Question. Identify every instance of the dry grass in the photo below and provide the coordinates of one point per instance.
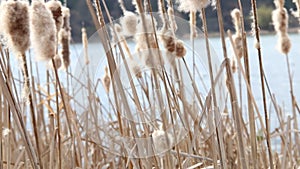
(188, 125)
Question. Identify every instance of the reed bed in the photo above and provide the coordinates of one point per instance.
(151, 107)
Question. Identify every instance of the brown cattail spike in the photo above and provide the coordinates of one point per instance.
(168, 40)
(64, 38)
(15, 25)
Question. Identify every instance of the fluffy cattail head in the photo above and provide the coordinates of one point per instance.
(15, 24)
(280, 20)
(168, 40)
(284, 44)
(238, 44)
(106, 80)
(55, 8)
(192, 5)
(237, 37)
(129, 23)
(180, 50)
(43, 31)
(236, 17)
(162, 141)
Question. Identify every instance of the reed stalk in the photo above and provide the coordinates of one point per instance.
(113, 68)
(214, 98)
(250, 106)
(31, 106)
(261, 69)
(293, 100)
(232, 91)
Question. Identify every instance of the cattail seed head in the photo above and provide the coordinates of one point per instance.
(106, 80)
(284, 44)
(64, 39)
(237, 37)
(168, 40)
(280, 20)
(162, 141)
(55, 8)
(238, 43)
(180, 50)
(43, 31)
(192, 5)
(15, 24)
(236, 17)
(129, 23)
(64, 36)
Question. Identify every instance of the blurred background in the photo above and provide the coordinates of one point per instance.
(80, 15)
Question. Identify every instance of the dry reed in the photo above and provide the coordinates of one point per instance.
(100, 136)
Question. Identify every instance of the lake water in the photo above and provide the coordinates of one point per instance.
(273, 61)
(274, 65)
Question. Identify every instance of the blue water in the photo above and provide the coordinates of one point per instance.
(273, 61)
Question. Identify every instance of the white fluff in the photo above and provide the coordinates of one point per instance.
(192, 5)
(129, 23)
(15, 25)
(43, 31)
(56, 9)
(160, 141)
